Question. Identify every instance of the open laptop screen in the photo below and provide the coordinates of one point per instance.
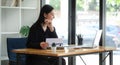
(95, 42)
(97, 38)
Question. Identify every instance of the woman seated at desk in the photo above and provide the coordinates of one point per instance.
(39, 31)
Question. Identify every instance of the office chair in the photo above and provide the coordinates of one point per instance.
(15, 43)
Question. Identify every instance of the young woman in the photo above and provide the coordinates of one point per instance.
(39, 31)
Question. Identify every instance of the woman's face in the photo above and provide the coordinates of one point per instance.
(49, 15)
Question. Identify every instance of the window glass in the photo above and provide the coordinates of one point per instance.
(87, 19)
(113, 23)
(87, 23)
(61, 17)
(113, 27)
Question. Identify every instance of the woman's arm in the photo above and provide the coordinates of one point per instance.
(34, 38)
(53, 34)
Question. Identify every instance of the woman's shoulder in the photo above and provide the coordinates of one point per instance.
(35, 27)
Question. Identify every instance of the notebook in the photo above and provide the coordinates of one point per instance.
(95, 42)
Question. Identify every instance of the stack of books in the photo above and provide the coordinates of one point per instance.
(12, 3)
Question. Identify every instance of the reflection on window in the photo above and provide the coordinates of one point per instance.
(113, 23)
(87, 23)
(87, 19)
(113, 27)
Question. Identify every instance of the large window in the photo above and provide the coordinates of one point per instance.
(113, 27)
(61, 17)
(87, 19)
(113, 23)
(87, 24)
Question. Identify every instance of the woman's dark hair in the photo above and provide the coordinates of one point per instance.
(45, 9)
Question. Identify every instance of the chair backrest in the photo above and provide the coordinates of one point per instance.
(15, 43)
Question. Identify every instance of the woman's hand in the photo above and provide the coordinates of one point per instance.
(48, 22)
(44, 45)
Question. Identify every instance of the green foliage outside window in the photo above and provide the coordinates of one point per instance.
(55, 4)
(113, 5)
(93, 5)
(80, 5)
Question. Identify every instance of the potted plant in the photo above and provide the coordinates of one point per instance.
(24, 31)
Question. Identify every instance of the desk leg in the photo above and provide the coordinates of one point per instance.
(111, 57)
(60, 61)
(72, 60)
(17, 59)
(101, 57)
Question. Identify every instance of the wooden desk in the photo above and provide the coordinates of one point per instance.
(64, 53)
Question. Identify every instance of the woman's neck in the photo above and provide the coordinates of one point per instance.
(44, 26)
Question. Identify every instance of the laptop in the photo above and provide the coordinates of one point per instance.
(59, 42)
(95, 42)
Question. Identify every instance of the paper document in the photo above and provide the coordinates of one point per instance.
(57, 41)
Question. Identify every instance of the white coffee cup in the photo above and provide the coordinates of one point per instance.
(53, 49)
